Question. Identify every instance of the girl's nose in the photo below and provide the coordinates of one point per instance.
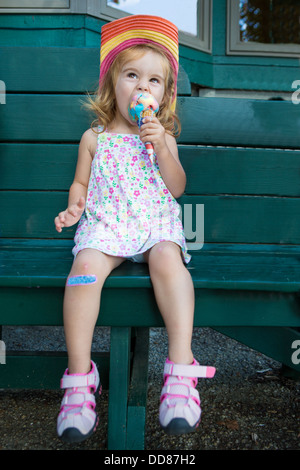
(143, 86)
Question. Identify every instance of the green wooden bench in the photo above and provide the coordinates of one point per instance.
(242, 159)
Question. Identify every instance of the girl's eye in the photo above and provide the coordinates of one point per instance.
(132, 75)
(154, 80)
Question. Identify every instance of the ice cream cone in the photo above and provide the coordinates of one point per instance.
(149, 147)
(143, 105)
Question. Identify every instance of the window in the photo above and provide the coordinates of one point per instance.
(182, 13)
(263, 27)
(192, 17)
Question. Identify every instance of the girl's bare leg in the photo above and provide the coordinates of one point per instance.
(81, 306)
(174, 292)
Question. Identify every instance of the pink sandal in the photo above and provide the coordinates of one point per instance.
(180, 410)
(77, 418)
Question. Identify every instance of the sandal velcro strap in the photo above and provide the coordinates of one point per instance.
(177, 391)
(191, 403)
(78, 399)
(71, 381)
(183, 370)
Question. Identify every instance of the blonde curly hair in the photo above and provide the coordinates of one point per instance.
(103, 102)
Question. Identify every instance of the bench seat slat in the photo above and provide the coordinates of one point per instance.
(251, 267)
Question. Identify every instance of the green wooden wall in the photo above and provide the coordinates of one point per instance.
(216, 70)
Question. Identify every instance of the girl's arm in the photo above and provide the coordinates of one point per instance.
(83, 169)
(166, 150)
(170, 167)
(78, 189)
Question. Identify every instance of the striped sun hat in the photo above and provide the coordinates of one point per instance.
(123, 33)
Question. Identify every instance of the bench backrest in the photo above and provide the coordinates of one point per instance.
(241, 156)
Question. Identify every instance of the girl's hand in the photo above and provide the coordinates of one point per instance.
(70, 216)
(152, 131)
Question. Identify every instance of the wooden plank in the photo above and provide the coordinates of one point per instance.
(44, 30)
(136, 413)
(37, 220)
(272, 341)
(224, 121)
(251, 267)
(255, 76)
(56, 69)
(63, 118)
(228, 170)
(118, 393)
(209, 170)
(36, 369)
(227, 219)
(52, 166)
(217, 304)
(239, 122)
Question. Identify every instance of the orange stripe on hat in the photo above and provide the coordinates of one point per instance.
(155, 36)
(123, 33)
(153, 23)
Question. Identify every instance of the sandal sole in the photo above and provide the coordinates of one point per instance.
(73, 436)
(179, 426)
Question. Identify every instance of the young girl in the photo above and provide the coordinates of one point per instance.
(126, 208)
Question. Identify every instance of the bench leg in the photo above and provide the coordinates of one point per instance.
(118, 387)
(137, 403)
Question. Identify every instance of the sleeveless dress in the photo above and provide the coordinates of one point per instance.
(128, 206)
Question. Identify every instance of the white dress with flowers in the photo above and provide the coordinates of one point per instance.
(128, 208)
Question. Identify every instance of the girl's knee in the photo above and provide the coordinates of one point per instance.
(86, 270)
(165, 257)
(83, 264)
(92, 266)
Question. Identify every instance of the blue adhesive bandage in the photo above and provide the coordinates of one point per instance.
(81, 280)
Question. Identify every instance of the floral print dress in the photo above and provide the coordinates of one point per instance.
(128, 208)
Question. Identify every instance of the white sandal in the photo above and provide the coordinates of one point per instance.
(180, 410)
(77, 418)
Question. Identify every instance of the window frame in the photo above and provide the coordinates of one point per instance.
(38, 6)
(234, 46)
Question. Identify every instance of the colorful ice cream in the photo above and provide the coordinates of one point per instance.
(142, 105)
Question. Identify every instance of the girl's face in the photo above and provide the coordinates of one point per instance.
(145, 74)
